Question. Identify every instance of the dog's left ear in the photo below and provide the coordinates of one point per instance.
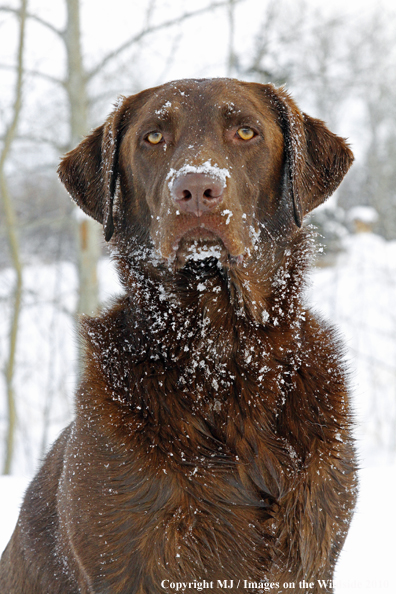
(316, 159)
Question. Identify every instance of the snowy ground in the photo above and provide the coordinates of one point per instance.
(366, 562)
(358, 294)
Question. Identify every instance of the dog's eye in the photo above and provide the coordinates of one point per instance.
(154, 137)
(245, 133)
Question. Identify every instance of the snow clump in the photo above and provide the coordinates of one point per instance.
(207, 168)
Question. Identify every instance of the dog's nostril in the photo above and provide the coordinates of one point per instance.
(186, 195)
(209, 193)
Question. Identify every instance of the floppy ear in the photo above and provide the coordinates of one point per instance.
(317, 159)
(89, 172)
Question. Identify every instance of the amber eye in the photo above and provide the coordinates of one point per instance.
(245, 133)
(154, 137)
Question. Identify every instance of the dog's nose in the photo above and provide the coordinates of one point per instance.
(197, 193)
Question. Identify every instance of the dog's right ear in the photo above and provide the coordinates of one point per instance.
(89, 172)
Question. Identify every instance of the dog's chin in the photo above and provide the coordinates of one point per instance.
(199, 248)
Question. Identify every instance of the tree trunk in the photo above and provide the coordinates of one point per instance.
(88, 231)
(232, 59)
(13, 243)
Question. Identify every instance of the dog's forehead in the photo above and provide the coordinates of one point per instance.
(203, 97)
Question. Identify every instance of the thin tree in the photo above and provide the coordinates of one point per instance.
(12, 237)
(232, 58)
(77, 94)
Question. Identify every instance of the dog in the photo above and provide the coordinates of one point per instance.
(211, 447)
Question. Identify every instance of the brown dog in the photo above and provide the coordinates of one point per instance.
(211, 445)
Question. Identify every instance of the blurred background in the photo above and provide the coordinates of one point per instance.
(63, 63)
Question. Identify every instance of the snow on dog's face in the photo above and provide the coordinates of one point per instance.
(195, 167)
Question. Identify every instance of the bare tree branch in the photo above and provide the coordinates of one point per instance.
(151, 29)
(48, 77)
(149, 12)
(36, 139)
(13, 243)
(34, 17)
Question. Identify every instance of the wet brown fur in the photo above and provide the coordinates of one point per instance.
(212, 432)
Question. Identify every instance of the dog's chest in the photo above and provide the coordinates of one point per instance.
(187, 475)
(200, 531)
(184, 521)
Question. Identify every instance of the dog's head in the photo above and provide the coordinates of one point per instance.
(196, 167)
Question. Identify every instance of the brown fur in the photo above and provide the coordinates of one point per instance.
(212, 433)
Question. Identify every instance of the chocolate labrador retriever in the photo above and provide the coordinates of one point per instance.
(212, 445)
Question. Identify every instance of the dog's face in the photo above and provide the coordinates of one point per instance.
(198, 166)
(199, 158)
